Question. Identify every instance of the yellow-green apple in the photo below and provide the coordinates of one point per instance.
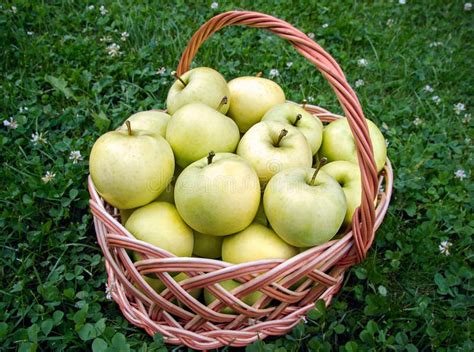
(272, 146)
(261, 218)
(293, 114)
(196, 129)
(202, 84)
(338, 143)
(218, 195)
(347, 174)
(229, 285)
(254, 243)
(304, 207)
(153, 122)
(251, 98)
(207, 246)
(130, 168)
(159, 224)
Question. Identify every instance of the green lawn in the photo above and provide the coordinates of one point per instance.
(63, 82)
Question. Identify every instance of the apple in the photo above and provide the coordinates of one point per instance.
(153, 122)
(310, 126)
(305, 207)
(130, 168)
(254, 243)
(202, 84)
(230, 285)
(261, 218)
(338, 143)
(160, 224)
(272, 146)
(251, 97)
(347, 174)
(207, 246)
(218, 195)
(196, 129)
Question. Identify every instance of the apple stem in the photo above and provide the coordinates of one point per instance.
(320, 165)
(283, 133)
(179, 78)
(223, 102)
(298, 117)
(259, 74)
(303, 103)
(129, 127)
(210, 156)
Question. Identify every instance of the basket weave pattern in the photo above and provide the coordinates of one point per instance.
(289, 287)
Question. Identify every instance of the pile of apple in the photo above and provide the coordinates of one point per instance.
(228, 173)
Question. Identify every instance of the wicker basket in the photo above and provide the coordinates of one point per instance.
(289, 287)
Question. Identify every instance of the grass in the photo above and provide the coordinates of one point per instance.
(60, 81)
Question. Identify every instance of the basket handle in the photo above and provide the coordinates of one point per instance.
(364, 217)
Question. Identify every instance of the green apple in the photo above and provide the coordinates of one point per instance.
(207, 246)
(272, 146)
(347, 174)
(159, 224)
(125, 214)
(310, 126)
(304, 207)
(153, 122)
(218, 195)
(254, 243)
(196, 129)
(251, 98)
(130, 168)
(202, 84)
(338, 143)
(167, 195)
(230, 285)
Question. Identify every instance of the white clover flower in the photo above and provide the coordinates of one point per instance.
(38, 138)
(113, 50)
(11, 124)
(274, 73)
(435, 44)
(106, 39)
(90, 7)
(75, 156)
(362, 62)
(48, 177)
(14, 9)
(436, 99)
(444, 247)
(103, 10)
(325, 25)
(458, 108)
(359, 83)
(417, 121)
(310, 99)
(311, 35)
(460, 174)
(124, 36)
(214, 5)
(108, 292)
(466, 118)
(30, 33)
(402, 2)
(289, 64)
(161, 71)
(22, 109)
(467, 140)
(428, 88)
(467, 6)
(390, 22)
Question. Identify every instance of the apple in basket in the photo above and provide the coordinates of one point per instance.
(304, 206)
(200, 85)
(218, 195)
(195, 129)
(207, 246)
(250, 98)
(130, 168)
(272, 146)
(338, 143)
(310, 126)
(154, 122)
